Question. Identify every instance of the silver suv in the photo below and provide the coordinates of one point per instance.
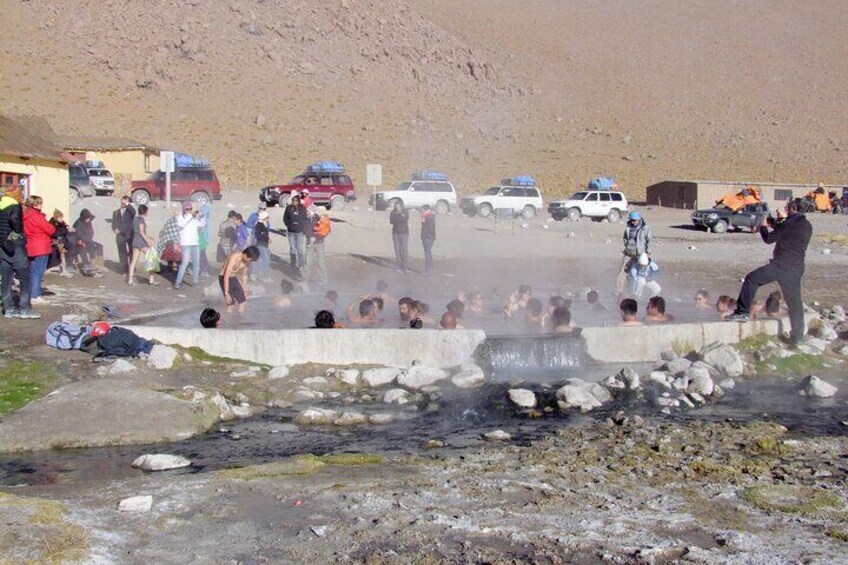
(439, 194)
(102, 181)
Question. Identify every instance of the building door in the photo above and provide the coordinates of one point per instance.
(8, 180)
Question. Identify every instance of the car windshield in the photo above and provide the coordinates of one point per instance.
(578, 196)
(99, 173)
(492, 191)
(403, 186)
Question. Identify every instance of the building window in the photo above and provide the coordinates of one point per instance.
(782, 194)
(147, 163)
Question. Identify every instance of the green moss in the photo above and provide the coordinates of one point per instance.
(714, 470)
(300, 466)
(795, 499)
(22, 382)
(351, 459)
(838, 533)
(198, 354)
(58, 539)
(768, 446)
(793, 365)
(754, 343)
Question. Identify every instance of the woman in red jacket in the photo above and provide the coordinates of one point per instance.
(39, 244)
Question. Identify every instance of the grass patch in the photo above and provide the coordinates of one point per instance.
(713, 470)
(805, 501)
(351, 459)
(768, 446)
(800, 363)
(54, 539)
(837, 533)
(754, 342)
(22, 382)
(198, 354)
(682, 347)
(300, 466)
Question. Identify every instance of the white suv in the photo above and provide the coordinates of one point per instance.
(592, 203)
(524, 200)
(439, 194)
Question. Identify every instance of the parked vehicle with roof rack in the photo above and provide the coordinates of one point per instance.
(426, 187)
(327, 182)
(101, 178)
(599, 200)
(79, 182)
(519, 194)
(193, 179)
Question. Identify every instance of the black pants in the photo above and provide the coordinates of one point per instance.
(124, 244)
(11, 266)
(789, 279)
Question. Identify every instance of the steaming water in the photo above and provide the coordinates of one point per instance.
(458, 419)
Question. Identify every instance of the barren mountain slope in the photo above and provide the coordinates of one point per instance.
(565, 90)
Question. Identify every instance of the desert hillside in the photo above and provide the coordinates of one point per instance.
(482, 89)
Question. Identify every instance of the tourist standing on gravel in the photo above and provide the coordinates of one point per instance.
(140, 244)
(295, 218)
(791, 238)
(638, 239)
(399, 219)
(13, 256)
(190, 223)
(317, 256)
(39, 245)
(122, 225)
(428, 236)
(226, 237)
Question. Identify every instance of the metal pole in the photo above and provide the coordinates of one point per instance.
(168, 189)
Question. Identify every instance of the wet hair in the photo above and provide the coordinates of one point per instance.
(382, 286)
(405, 300)
(629, 306)
(378, 302)
(773, 302)
(561, 316)
(557, 301)
(331, 296)
(456, 307)
(324, 319)
(209, 318)
(534, 307)
(416, 323)
(252, 253)
(142, 210)
(286, 286)
(725, 302)
(702, 294)
(525, 289)
(448, 321)
(592, 296)
(366, 307)
(657, 302)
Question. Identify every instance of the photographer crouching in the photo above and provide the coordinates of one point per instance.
(791, 236)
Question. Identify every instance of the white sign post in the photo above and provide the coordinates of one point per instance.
(166, 165)
(374, 178)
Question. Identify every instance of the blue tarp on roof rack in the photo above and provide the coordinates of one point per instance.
(520, 180)
(325, 167)
(184, 160)
(429, 175)
(603, 183)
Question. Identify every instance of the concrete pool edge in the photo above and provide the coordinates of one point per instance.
(398, 347)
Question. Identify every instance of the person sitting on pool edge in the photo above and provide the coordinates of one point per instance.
(210, 318)
(237, 267)
(629, 309)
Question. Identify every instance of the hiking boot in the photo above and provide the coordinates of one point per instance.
(29, 315)
(737, 317)
(11, 314)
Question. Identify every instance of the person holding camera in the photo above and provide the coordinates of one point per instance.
(791, 238)
(190, 223)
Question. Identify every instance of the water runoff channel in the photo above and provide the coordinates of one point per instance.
(456, 417)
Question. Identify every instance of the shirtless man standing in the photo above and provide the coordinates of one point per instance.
(235, 267)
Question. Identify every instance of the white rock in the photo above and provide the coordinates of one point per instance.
(522, 397)
(316, 416)
(826, 251)
(304, 394)
(630, 378)
(160, 462)
(418, 376)
(814, 387)
(118, 367)
(683, 399)
(241, 411)
(677, 365)
(818, 344)
(225, 411)
(187, 357)
(661, 378)
(347, 376)
(843, 350)
(380, 376)
(579, 394)
(381, 418)
(242, 374)
(350, 419)
(697, 398)
(724, 358)
(316, 382)
(162, 357)
(396, 396)
(319, 531)
(727, 384)
(136, 504)
(614, 382)
(469, 376)
(668, 402)
(279, 372)
(700, 382)
(497, 435)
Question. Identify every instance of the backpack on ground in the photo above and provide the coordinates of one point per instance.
(65, 336)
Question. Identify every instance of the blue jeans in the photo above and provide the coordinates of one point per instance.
(428, 254)
(297, 249)
(264, 263)
(37, 266)
(191, 254)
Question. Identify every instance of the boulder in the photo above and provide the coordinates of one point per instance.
(497, 435)
(241, 411)
(347, 376)
(827, 332)
(661, 378)
(278, 372)
(136, 504)
(380, 376)
(583, 395)
(396, 396)
(668, 402)
(469, 376)
(727, 384)
(381, 418)
(630, 378)
(819, 345)
(225, 411)
(118, 367)
(350, 419)
(304, 394)
(522, 397)
(724, 358)
(160, 462)
(614, 382)
(419, 376)
(316, 382)
(843, 350)
(678, 365)
(316, 417)
(700, 382)
(814, 387)
(161, 357)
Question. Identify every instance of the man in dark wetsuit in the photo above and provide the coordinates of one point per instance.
(791, 236)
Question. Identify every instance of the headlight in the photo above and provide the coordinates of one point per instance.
(712, 216)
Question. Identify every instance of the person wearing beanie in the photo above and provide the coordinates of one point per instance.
(13, 256)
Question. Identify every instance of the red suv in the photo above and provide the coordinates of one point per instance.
(326, 181)
(198, 184)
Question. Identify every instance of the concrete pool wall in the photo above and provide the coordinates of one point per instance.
(394, 347)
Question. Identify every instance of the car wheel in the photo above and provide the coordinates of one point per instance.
(485, 210)
(573, 214)
(200, 198)
(140, 197)
(337, 203)
(528, 212)
(720, 227)
(614, 215)
(442, 207)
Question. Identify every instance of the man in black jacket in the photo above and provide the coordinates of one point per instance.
(791, 236)
(399, 219)
(122, 225)
(13, 256)
(296, 220)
